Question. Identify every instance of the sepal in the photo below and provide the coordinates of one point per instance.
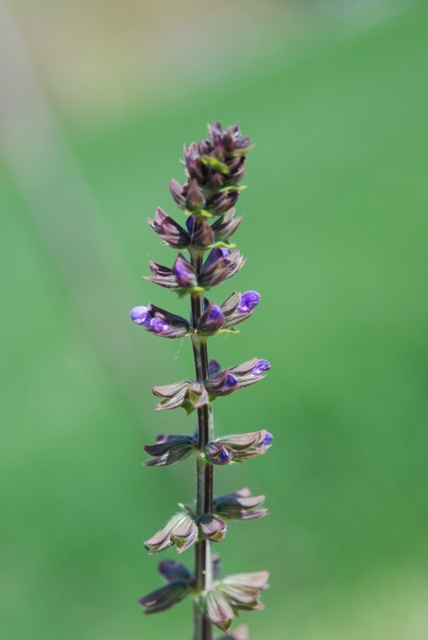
(168, 450)
(171, 571)
(187, 394)
(225, 227)
(221, 264)
(211, 320)
(181, 531)
(240, 505)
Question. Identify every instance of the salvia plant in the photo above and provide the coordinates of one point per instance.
(214, 167)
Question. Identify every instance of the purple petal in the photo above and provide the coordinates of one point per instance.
(266, 440)
(140, 315)
(224, 456)
(260, 366)
(215, 313)
(249, 300)
(184, 275)
(158, 325)
(231, 381)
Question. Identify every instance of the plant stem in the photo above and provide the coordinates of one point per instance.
(202, 628)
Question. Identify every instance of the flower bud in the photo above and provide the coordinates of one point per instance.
(249, 300)
(177, 193)
(170, 231)
(222, 384)
(212, 527)
(220, 265)
(211, 320)
(221, 202)
(226, 226)
(195, 199)
(200, 231)
(184, 273)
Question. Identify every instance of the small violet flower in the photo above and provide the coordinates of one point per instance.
(249, 300)
(260, 366)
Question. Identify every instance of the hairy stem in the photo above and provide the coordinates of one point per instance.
(202, 628)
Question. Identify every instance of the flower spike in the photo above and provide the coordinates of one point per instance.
(206, 257)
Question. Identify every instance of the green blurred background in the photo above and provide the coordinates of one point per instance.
(96, 102)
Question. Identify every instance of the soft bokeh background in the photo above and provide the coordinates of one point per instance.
(97, 98)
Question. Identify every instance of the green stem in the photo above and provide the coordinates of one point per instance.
(202, 628)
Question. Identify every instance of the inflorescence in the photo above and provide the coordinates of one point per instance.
(214, 167)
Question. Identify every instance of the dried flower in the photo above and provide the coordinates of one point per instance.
(240, 505)
(236, 592)
(168, 450)
(184, 529)
(187, 394)
(165, 598)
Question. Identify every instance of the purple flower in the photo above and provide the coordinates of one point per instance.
(260, 366)
(249, 300)
(140, 315)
